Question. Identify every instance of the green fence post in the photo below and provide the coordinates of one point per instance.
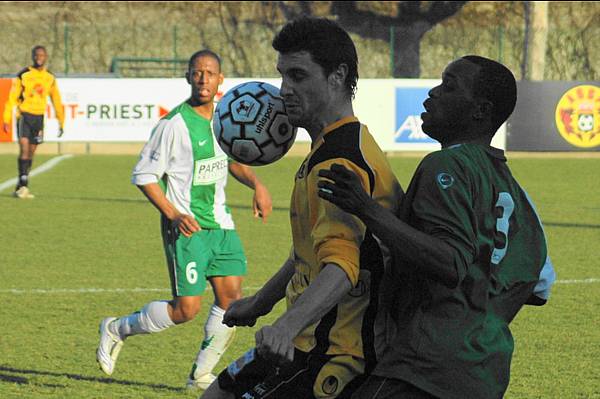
(500, 43)
(174, 50)
(66, 36)
(392, 46)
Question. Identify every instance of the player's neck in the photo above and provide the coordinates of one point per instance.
(481, 139)
(334, 114)
(205, 110)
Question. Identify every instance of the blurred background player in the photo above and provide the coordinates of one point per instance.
(29, 94)
(469, 247)
(325, 341)
(183, 172)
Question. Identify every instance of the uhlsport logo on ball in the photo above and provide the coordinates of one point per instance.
(251, 125)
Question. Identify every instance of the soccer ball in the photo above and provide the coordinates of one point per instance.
(251, 125)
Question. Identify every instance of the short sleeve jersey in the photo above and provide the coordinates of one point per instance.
(183, 156)
(322, 233)
(30, 91)
(457, 342)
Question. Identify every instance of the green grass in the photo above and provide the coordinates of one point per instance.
(90, 228)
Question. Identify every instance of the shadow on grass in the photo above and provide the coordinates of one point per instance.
(134, 200)
(572, 225)
(77, 377)
(24, 381)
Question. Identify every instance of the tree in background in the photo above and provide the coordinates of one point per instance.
(402, 24)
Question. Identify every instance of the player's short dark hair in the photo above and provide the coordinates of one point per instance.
(496, 83)
(203, 53)
(328, 44)
(38, 47)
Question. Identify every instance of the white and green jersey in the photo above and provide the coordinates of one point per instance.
(183, 156)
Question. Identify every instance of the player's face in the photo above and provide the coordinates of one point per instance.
(205, 77)
(39, 57)
(304, 88)
(450, 106)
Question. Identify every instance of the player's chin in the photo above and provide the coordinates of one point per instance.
(295, 117)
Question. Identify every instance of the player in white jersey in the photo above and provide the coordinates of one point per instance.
(183, 172)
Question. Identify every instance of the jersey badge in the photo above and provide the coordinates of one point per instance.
(330, 385)
(445, 180)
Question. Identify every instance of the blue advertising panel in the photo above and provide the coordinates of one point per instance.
(409, 105)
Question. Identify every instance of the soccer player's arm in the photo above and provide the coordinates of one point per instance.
(541, 291)
(13, 98)
(262, 204)
(57, 103)
(150, 169)
(245, 311)
(274, 290)
(337, 238)
(442, 248)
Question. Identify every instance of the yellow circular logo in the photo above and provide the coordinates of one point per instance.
(578, 116)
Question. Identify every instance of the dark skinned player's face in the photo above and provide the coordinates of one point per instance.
(39, 58)
(450, 106)
(205, 77)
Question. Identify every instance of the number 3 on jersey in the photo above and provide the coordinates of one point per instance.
(506, 203)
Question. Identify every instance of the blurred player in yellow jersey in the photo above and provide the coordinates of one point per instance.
(29, 94)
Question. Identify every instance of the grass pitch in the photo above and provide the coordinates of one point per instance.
(88, 246)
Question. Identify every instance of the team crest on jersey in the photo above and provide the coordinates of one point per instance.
(578, 116)
(445, 180)
(330, 385)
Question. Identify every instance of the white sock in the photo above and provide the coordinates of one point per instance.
(153, 318)
(217, 338)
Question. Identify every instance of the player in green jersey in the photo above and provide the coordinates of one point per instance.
(468, 245)
(183, 172)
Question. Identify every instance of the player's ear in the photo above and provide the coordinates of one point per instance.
(484, 109)
(338, 76)
(187, 77)
(221, 78)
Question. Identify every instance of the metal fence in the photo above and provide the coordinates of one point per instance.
(246, 49)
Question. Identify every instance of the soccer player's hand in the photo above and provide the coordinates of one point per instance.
(186, 224)
(344, 189)
(6, 127)
(262, 204)
(244, 312)
(275, 344)
(61, 131)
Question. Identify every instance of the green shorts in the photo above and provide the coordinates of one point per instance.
(207, 253)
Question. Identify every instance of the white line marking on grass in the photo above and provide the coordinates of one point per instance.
(134, 290)
(586, 281)
(46, 166)
(92, 290)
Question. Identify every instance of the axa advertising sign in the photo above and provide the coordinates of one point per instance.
(409, 106)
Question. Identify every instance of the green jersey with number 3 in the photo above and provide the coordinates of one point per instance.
(184, 157)
(457, 342)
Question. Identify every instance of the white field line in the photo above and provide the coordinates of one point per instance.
(134, 290)
(92, 290)
(46, 166)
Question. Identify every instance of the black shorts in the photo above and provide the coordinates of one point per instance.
(389, 388)
(32, 127)
(307, 377)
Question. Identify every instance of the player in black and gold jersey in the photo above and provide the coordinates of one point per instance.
(29, 94)
(326, 340)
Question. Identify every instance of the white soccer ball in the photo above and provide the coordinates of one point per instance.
(251, 125)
